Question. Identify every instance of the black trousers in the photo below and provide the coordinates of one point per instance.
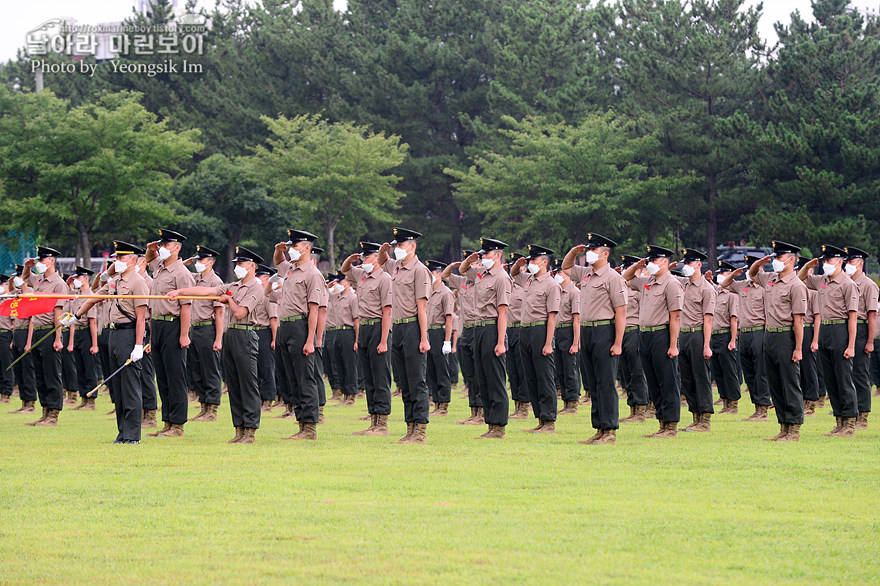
(344, 360)
(266, 365)
(104, 353)
(85, 361)
(282, 380)
(24, 368)
(148, 384)
(69, 380)
(169, 360)
(751, 353)
(596, 342)
(329, 366)
(515, 374)
(376, 368)
(539, 372)
(47, 371)
(631, 367)
(695, 382)
(861, 372)
(662, 375)
(439, 383)
(837, 370)
(452, 359)
(203, 364)
(302, 371)
(808, 366)
(724, 367)
(784, 377)
(241, 349)
(412, 367)
(7, 377)
(490, 375)
(467, 358)
(875, 363)
(319, 376)
(567, 372)
(125, 387)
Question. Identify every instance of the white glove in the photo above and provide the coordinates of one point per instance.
(274, 278)
(137, 353)
(447, 347)
(105, 276)
(67, 319)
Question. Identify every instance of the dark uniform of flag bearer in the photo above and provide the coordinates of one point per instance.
(265, 320)
(785, 305)
(515, 374)
(630, 362)
(126, 339)
(341, 337)
(441, 305)
(84, 332)
(7, 327)
(465, 284)
(725, 328)
(491, 290)
(567, 340)
(373, 287)
(303, 291)
(866, 328)
(47, 356)
(409, 340)
(603, 324)
(837, 339)
(540, 308)
(659, 322)
(24, 368)
(208, 325)
(695, 339)
(169, 329)
(809, 348)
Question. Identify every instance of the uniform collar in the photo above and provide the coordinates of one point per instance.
(409, 265)
(601, 271)
(541, 278)
(840, 277)
(787, 278)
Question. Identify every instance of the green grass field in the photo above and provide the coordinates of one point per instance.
(715, 508)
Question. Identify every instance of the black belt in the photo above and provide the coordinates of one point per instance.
(122, 326)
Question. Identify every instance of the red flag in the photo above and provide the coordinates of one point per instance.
(22, 307)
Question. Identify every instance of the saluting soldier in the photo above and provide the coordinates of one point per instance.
(751, 338)
(568, 339)
(69, 378)
(83, 343)
(206, 337)
(126, 340)
(659, 322)
(342, 345)
(440, 310)
(466, 287)
(265, 320)
(785, 305)
(409, 340)
(7, 327)
(491, 300)
(240, 343)
(301, 295)
(695, 339)
(630, 362)
(725, 328)
(169, 329)
(540, 308)
(519, 393)
(103, 316)
(46, 356)
(148, 372)
(374, 294)
(866, 328)
(603, 324)
(837, 340)
(809, 348)
(24, 368)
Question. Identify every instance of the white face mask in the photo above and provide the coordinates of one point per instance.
(119, 266)
(40, 268)
(164, 253)
(533, 268)
(295, 255)
(399, 254)
(488, 263)
(652, 268)
(200, 268)
(368, 267)
(18, 282)
(719, 279)
(592, 257)
(240, 272)
(850, 269)
(77, 284)
(558, 278)
(828, 268)
(688, 271)
(778, 266)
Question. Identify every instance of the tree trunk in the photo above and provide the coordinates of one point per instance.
(83, 246)
(331, 244)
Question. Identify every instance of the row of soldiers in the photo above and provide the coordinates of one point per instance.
(534, 319)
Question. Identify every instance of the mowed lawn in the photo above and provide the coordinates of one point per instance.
(718, 508)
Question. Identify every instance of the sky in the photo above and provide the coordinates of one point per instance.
(21, 16)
